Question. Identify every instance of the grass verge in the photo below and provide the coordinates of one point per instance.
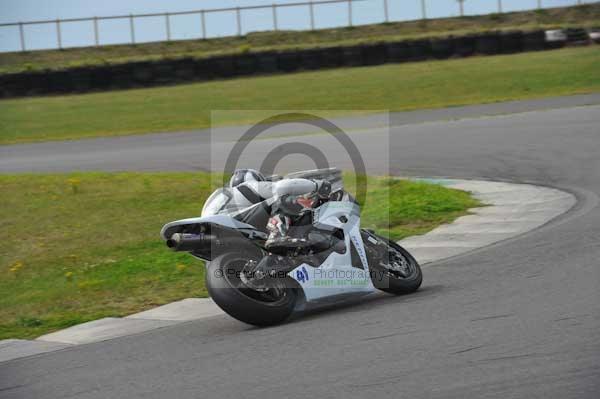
(584, 15)
(395, 87)
(78, 247)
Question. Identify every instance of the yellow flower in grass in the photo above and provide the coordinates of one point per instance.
(181, 267)
(69, 276)
(74, 184)
(18, 265)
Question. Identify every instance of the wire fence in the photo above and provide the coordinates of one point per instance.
(203, 15)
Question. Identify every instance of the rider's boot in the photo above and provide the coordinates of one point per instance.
(279, 240)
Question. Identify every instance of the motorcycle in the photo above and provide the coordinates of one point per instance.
(339, 260)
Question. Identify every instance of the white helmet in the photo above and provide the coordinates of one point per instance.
(243, 175)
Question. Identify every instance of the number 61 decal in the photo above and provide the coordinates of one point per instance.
(302, 275)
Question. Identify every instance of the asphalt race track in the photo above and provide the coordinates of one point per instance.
(520, 319)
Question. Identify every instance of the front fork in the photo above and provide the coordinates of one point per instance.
(375, 247)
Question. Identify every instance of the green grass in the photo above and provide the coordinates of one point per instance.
(585, 15)
(78, 247)
(394, 86)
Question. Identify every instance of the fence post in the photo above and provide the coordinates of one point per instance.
(423, 9)
(168, 26)
(385, 11)
(203, 20)
(96, 33)
(58, 34)
(275, 17)
(539, 4)
(349, 12)
(131, 29)
(239, 21)
(499, 6)
(461, 7)
(312, 15)
(22, 35)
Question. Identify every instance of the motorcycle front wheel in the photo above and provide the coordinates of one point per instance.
(396, 272)
(229, 289)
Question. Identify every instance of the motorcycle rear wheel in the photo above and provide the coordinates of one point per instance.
(230, 293)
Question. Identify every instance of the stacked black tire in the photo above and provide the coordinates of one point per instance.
(174, 71)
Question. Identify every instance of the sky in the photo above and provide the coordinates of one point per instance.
(76, 34)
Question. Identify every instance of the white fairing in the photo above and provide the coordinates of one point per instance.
(336, 276)
(231, 200)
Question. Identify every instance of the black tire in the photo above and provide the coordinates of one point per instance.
(246, 305)
(385, 280)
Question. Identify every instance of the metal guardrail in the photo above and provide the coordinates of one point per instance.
(238, 12)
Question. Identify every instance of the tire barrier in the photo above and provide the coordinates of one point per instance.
(288, 61)
(245, 65)
(267, 63)
(101, 78)
(443, 47)
(555, 39)
(577, 35)
(310, 60)
(534, 40)
(487, 43)
(185, 70)
(222, 67)
(203, 69)
(419, 50)
(464, 46)
(352, 56)
(142, 73)
(374, 54)
(6, 83)
(511, 42)
(60, 82)
(37, 83)
(165, 72)
(398, 52)
(331, 57)
(121, 77)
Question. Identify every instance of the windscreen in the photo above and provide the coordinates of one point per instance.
(216, 202)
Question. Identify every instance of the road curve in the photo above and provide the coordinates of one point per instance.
(198, 150)
(519, 319)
